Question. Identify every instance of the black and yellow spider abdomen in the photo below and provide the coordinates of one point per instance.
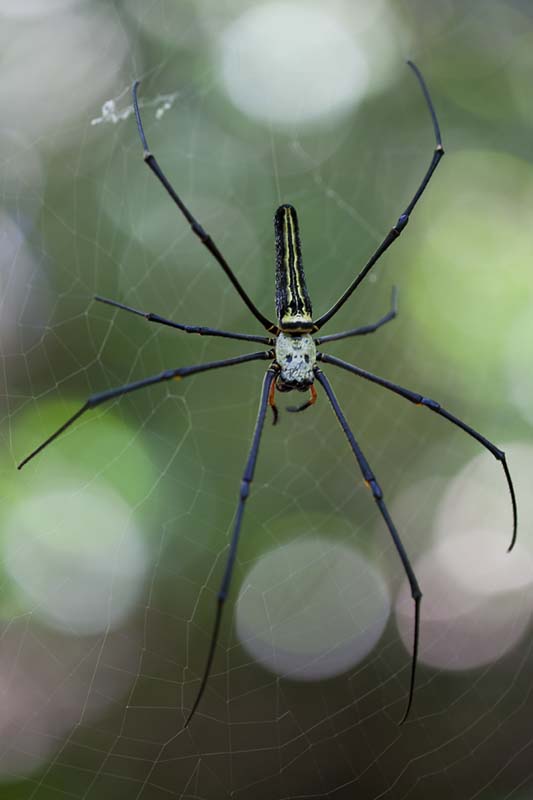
(293, 305)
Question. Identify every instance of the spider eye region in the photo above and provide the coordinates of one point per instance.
(296, 357)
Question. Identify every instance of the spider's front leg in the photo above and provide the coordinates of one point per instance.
(403, 219)
(151, 161)
(200, 330)
(170, 374)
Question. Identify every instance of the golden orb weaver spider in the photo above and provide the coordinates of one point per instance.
(294, 366)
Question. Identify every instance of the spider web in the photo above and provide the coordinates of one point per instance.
(115, 538)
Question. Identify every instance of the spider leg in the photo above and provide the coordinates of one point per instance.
(199, 329)
(364, 329)
(372, 484)
(169, 374)
(272, 402)
(310, 402)
(403, 219)
(243, 496)
(420, 400)
(197, 229)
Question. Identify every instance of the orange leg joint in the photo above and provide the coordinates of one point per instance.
(272, 402)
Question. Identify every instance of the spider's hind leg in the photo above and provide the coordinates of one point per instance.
(426, 402)
(244, 493)
(371, 482)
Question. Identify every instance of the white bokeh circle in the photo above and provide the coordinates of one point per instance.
(28, 9)
(459, 629)
(77, 557)
(288, 62)
(311, 609)
(57, 68)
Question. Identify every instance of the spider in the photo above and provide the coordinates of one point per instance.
(292, 351)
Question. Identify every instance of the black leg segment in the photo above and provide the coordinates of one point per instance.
(197, 229)
(365, 329)
(371, 482)
(168, 375)
(201, 330)
(420, 400)
(403, 219)
(234, 543)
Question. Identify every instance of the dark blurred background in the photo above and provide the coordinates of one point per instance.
(113, 540)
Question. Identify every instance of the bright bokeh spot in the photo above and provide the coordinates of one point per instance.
(22, 175)
(312, 609)
(77, 557)
(471, 257)
(287, 62)
(477, 504)
(476, 603)
(22, 313)
(474, 524)
(459, 629)
(37, 60)
(35, 8)
(479, 561)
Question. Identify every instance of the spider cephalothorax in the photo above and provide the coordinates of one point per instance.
(296, 358)
(294, 365)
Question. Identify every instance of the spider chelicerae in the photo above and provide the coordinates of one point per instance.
(291, 347)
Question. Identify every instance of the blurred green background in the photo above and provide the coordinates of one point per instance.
(113, 541)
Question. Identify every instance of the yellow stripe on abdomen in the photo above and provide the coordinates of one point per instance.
(293, 305)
